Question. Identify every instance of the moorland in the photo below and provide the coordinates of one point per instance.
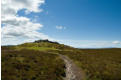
(40, 60)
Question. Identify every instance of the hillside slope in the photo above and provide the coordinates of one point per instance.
(41, 60)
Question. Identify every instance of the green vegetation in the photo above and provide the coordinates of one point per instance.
(99, 64)
(30, 65)
(42, 48)
(45, 45)
(39, 61)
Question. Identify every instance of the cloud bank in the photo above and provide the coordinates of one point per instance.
(19, 28)
(116, 42)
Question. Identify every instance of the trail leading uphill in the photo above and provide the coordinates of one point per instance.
(73, 72)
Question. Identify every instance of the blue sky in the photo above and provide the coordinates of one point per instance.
(79, 23)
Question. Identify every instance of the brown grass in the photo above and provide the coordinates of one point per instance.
(31, 65)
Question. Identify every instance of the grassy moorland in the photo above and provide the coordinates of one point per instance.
(38, 61)
(102, 64)
(29, 64)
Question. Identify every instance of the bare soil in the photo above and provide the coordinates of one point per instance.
(73, 72)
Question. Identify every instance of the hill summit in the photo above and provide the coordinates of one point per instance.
(46, 40)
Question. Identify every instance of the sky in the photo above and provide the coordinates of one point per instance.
(78, 23)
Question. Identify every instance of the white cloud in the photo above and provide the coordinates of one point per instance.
(116, 42)
(89, 43)
(20, 28)
(60, 27)
(12, 6)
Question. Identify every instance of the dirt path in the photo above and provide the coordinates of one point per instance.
(73, 72)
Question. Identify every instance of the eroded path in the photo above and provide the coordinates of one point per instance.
(73, 72)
